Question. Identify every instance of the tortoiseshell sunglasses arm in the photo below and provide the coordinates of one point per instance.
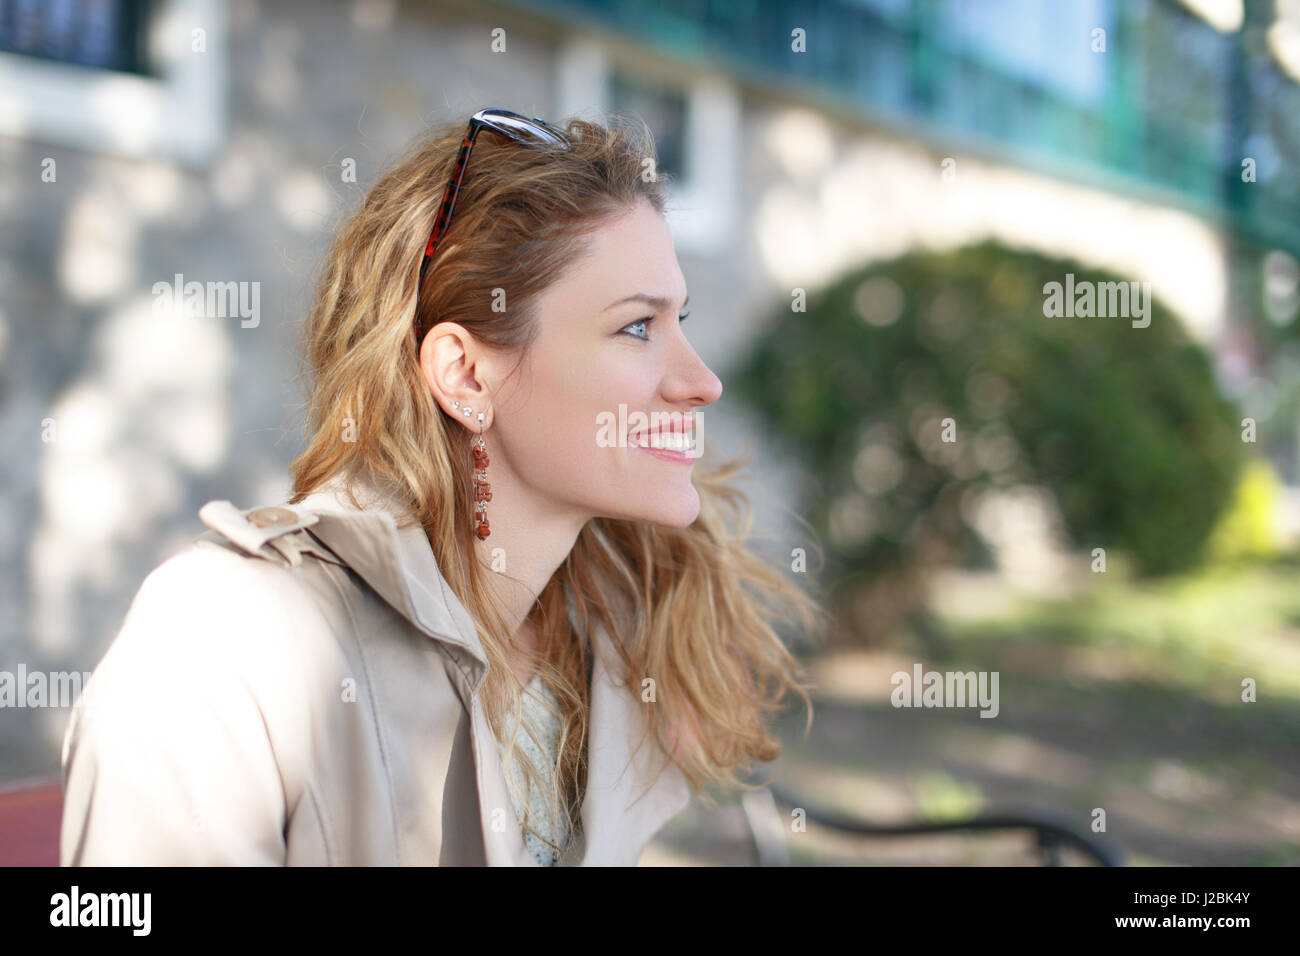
(483, 119)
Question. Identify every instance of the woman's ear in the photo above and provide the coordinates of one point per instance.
(455, 365)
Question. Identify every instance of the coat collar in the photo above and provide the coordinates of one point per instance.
(625, 805)
(397, 562)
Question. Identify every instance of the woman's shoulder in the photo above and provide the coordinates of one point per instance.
(181, 746)
(241, 596)
(230, 633)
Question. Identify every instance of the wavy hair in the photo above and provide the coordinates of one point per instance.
(694, 608)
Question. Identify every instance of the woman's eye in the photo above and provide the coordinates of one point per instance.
(646, 321)
(625, 328)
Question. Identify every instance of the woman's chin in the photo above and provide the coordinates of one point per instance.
(678, 513)
(681, 514)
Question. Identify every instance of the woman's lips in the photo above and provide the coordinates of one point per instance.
(674, 441)
(678, 457)
(670, 444)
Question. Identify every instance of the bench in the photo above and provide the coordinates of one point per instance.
(31, 814)
(768, 826)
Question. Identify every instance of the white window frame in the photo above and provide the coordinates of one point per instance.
(179, 114)
(703, 201)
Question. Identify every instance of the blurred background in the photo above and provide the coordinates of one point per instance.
(871, 199)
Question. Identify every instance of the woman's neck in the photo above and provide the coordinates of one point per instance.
(525, 652)
(528, 540)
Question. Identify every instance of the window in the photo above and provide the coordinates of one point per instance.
(105, 34)
(663, 108)
(128, 77)
(696, 121)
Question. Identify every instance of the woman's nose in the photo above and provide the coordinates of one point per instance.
(693, 381)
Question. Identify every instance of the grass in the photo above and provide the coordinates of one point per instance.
(1154, 651)
(1125, 698)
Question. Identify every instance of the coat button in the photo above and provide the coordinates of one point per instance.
(265, 517)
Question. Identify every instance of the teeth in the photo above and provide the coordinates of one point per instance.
(670, 441)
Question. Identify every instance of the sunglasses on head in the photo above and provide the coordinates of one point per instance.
(513, 126)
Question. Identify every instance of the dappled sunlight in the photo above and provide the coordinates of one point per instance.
(1224, 15)
(304, 201)
(1130, 702)
(801, 142)
(1175, 780)
(1160, 807)
(132, 105)
(278, 81)
(1270, 808)
(1284, 44)
(1183, 633)
(884, 795)
(125, 441)
(98, 256)
(1211, 835)
(881, 197)
(155, 191)
(373, 14)
(92, 497)
(1024, 529)
(857, 676)
(242, 166)
(150, 408)
(147, 354)
(1015, 755)
(788, 234)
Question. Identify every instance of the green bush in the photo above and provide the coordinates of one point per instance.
(1122, 425)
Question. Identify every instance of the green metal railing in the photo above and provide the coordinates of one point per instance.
(1183, 105)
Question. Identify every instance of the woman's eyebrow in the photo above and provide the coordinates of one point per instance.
(656, 301)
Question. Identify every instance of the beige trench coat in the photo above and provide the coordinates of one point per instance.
(299, 686)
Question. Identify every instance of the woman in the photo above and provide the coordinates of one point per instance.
(499, 620)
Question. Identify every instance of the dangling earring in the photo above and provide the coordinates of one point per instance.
(482, 490)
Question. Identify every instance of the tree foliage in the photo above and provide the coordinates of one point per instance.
(1123, 426)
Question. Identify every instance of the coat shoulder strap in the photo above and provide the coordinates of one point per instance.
(276, 533)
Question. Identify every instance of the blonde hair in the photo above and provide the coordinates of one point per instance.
(693, 608)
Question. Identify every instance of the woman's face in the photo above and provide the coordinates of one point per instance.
(567, 424)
